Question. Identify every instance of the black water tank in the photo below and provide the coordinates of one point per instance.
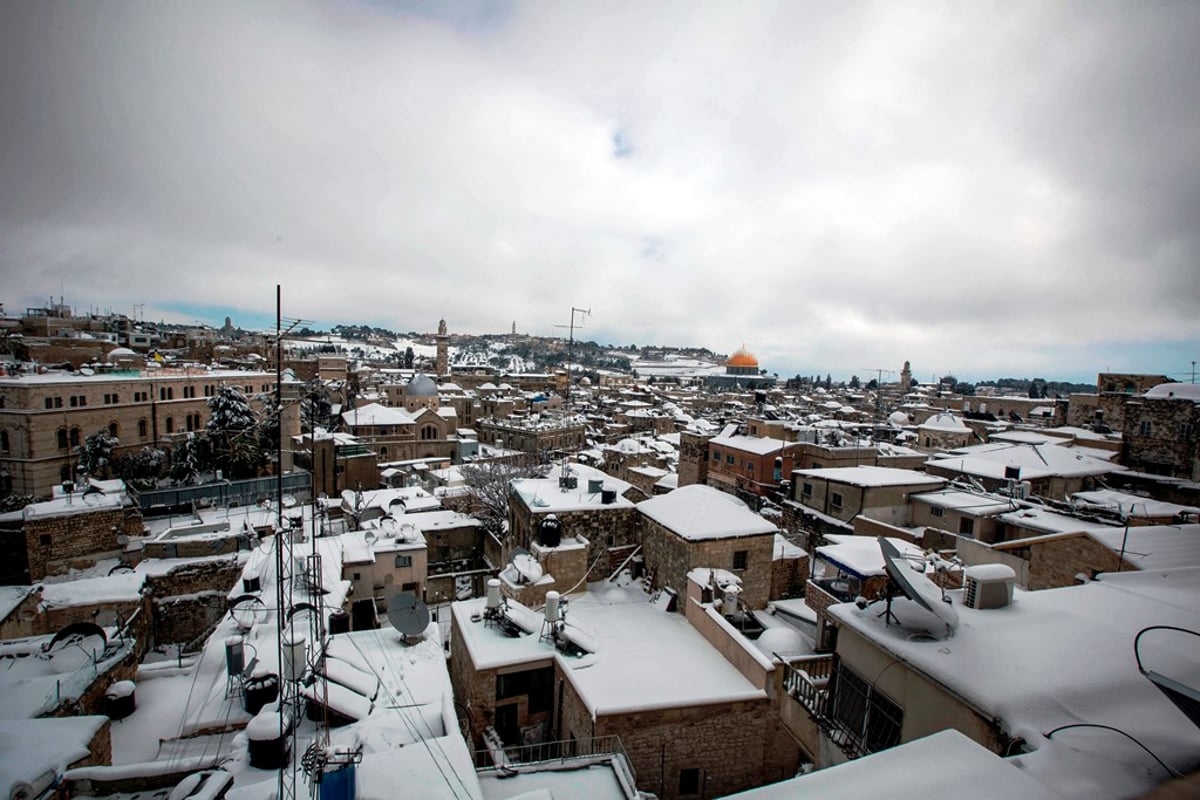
(260, 691)
(363, 615)
(339, 622)
(268, 749)
(119, 700)
(549, 532)
(608, 496)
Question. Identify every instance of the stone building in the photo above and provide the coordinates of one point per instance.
(395, 434)
(44, 417)
(752, 465)
(587, 503)
(1162, 431)
(692, 723)
(535, 436)
(843, 493)
(699, 526)
(693, 457)
(72, 531)
(944, 431)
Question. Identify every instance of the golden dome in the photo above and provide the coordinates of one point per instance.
(742, 358)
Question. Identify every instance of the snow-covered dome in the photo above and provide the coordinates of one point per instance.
(945, 422)
(421, 386)
(784, 641)
(899, 418)
(119, 352)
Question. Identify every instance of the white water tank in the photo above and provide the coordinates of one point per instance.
(295, 657)
(493, 593)
(552, 606)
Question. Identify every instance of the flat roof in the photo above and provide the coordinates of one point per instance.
(697, 512)
(640, 653)
(872, 476)
(1060, 656)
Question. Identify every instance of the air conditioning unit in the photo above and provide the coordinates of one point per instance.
(988, 586)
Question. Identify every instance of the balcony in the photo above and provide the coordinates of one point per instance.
(843, 588)
(806, 680)
(557, 755)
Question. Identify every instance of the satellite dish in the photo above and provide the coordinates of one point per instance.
(88, 371)
(408, 614)
(916, 586)
(527, 567)
(288, 501)
(247, 611)
(76, 646)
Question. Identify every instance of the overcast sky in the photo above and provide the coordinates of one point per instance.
(985, 189)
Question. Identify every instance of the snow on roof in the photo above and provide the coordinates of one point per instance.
(1131, 505)
(1154, 546)
(945, 764)
(11, 597)
(30, 747)
(1041, 519)
(118, 588)
(698, 512)
(670, 481)
(640, 653)
(1060, 656)
(974, 503)
(860, 555)
(759, 445)
(650, 472)
(945, 422)
(76, 503)
(1035, 461)
(544, 494)
(784, 549)
(374, 414)
(1183, 391)
(871, 477)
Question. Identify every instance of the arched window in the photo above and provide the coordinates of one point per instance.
(170, 424)
(113, 429)
(74, 437)
(143, 428)
(383, 452)
(429, 432)
(190, 422)
(62, 438)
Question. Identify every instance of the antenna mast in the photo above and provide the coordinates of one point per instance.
(587, 312)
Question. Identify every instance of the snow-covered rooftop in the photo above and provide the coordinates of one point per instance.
(871, 477)
(860, 555)
(1131, 505)
(1035, 461)
(981, 504)
(1062, 656)
(698, 512)
(1153, 546)
(374, 414)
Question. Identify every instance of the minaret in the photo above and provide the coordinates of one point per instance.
(443, 350)
(905, 378)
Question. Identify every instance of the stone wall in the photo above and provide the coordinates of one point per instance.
(788, 576)
(611, 531)
(1054, 562)
(671, 557)
(693, 458)
(52, 542)
(179, 620)
(1161, 436)
(733, 746)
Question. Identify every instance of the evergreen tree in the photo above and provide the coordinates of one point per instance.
(185, 462)
(855, 382)
(96, 453)
(233, 433)
(409, 357)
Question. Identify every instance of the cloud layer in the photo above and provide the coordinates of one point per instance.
(1007, 189)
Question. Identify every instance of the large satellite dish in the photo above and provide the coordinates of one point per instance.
(247, 611)
(408, 614)
(527, 567)
(915, 585)
(77, 645)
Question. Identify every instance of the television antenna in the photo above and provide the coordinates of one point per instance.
(586, 312)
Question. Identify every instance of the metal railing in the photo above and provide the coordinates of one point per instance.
(806, 679)
(560, 753)
(221, 493)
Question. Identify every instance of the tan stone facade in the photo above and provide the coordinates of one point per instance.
(693, 458)
(43, 418)
(670, 557)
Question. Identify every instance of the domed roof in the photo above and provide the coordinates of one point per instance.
(119, 352)
(784, 641)
(742, 358)
(421, 386)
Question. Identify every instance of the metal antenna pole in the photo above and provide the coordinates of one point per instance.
(571, 344)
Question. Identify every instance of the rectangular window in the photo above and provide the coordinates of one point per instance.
(1185, 431)
(74, 401)
(356, 576)
(806, 490)
(739, 559)
(49, 402)
(403, 561)
(936, 512)
(717, 456)
(730, 460)
(966, 526)
(835, 500)
(1146, 428)
(83, 400)
(44, 540)
(689, 781)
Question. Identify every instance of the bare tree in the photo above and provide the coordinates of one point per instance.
(490, 483)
